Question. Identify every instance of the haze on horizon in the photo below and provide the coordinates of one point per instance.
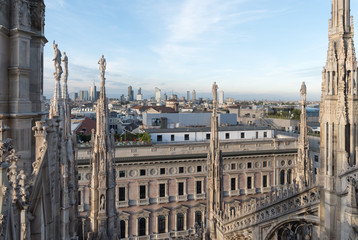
(253, 49)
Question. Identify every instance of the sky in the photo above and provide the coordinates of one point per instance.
(253, 49)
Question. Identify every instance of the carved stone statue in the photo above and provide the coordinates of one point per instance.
(215, 91)
(102, 203)
(102, 66)
(25, 18)
(342, 71)
(303, 90)
(65, 64)
(57, 60)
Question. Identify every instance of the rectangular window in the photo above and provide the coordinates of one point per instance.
(233, 166)
(172, 137)
(79, 198)
(159, 138)
(181, 169)
(249, 165)
(121, 194)
(233, 184)
(162, 171)
(264, 180)
(265, 134)
(315, 171)
(249, 182)
(208, 136)
(180, 188)
(264, 164)
(142, 172)
(227, 135)
(198, 187)
(79, 176)
(156, 121)
(122, 174)
(186, 137)
(162, 190)
(242, 135)
(198, 168)
(257, 134)
(142, 192)
(315, 158)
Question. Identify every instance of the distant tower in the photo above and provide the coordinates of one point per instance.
(215, 174)
(83, 95)
(130, 93)
(139, 95)
(187, 96)
(165, 97)
(93, 91)
(103, 213)
(157, 94)
(339, 120)
(193, 96)
(221, 97)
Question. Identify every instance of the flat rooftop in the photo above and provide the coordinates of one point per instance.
(205, 129)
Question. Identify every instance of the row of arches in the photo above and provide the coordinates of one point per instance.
(285, 176)
(161, 224)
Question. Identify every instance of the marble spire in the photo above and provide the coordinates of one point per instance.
(304, 168)
(103, 212)
(215, 172)
(341, 20)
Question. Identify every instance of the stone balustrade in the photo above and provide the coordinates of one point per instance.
(280, 202)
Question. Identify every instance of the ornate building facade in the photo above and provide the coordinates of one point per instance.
(246, 189)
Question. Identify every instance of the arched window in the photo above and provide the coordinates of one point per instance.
(180, 222)
(141, 227)
(282, 177)
(289, 176)
(161, 224)
(198, 217)
(123, 228)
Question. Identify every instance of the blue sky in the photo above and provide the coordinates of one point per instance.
(253, 49)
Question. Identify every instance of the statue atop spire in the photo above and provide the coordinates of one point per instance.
(102, 66)
(215, 92)
(57, 61)
(56, 101)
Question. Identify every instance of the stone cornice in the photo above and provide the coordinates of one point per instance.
(4, 30)
(19, 69)
(21, 115)
(190, 158)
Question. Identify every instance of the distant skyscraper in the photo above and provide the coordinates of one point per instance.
(165, 97)
(157, 94)
(83, 95)
(139, 95)
(123, 99)
(187, 95)
(193, 95)
(130, 93)
(74, 96)
(221, 97)
(93, 91)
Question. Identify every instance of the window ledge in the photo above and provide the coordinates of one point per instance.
(122, 203)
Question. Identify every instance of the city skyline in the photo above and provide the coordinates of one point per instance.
(245, 46)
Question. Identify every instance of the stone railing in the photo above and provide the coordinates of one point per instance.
(280, 202)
